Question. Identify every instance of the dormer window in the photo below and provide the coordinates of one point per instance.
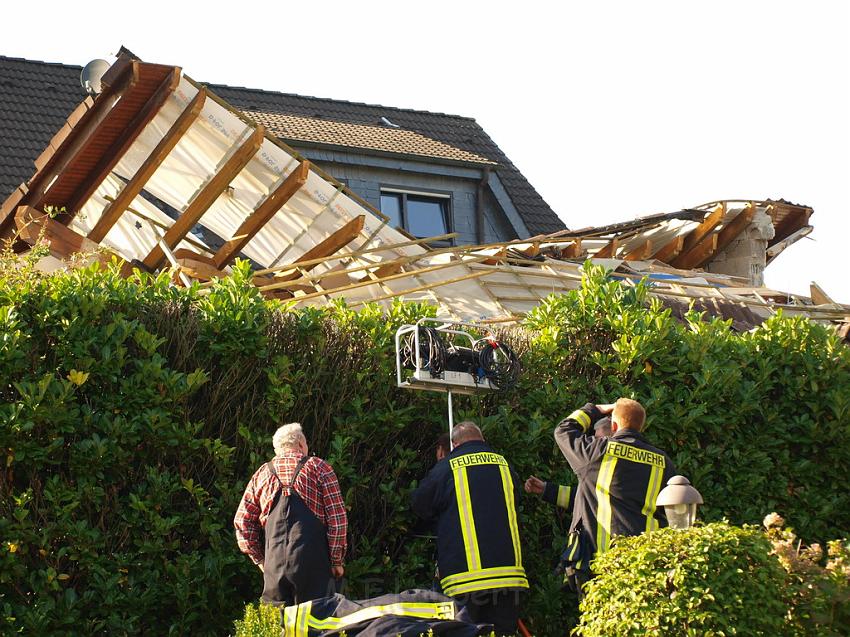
(419, 213)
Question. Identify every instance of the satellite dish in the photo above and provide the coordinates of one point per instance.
(91, 75)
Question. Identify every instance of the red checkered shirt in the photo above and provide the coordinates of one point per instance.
(318, 487)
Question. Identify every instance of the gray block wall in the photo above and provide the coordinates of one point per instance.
(366, 175)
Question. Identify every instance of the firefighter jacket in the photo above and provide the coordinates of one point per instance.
(619, 480)
(409, 614)
(559, 495)
(472, 495)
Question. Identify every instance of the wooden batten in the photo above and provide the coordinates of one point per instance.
(120, 146)
(819, 297)
(326, 248)
(206, 196)
(132, 188)
(263, 213)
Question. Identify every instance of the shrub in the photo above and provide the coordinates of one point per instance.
(260, 620)
(817, 587)
(133, 413)
(708, 580)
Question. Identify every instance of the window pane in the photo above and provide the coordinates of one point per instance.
(426, 217)
(391, 206)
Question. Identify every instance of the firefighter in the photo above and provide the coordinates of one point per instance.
(292, 522)
(618, 481)
(471, 494)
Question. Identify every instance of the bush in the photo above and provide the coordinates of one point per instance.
(817, 588)
(260, 620)
(133, 413)
(708, 580)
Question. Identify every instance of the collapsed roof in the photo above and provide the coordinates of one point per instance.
(155, 136)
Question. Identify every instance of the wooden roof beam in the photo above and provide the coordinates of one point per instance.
(703, 253)
(572, 251)
(263, 213)
(698, 235)
(121, 145)
(83, 133)
(34, 225)
(671, 250)
(640, 253)
(327, 247)
(132, 188)
(206, 196)
(726, 235)
(608, 250)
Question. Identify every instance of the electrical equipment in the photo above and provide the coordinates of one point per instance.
(436, 355)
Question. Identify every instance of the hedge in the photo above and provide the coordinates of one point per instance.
(133, 413)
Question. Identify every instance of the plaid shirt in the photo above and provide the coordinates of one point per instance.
(318, 487)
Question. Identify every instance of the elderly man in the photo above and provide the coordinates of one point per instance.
(618, 481)
(471, 494)
(292, 522)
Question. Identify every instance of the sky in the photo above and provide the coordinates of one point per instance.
(611, 109)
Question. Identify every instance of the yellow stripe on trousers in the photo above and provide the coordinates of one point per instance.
(508, 486)
(652, 490)
(603, 503)
(467, 522)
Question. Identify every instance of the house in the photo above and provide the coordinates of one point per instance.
(433, 174)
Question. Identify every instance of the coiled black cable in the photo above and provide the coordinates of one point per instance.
(498, 362)
(432, 351)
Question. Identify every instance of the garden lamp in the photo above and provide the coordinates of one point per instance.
(680, 501)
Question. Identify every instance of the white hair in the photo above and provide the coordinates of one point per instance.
(287, 437)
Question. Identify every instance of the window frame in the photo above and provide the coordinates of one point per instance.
(444, 196)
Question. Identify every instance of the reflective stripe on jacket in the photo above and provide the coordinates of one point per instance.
(619, 480)
(472, 494)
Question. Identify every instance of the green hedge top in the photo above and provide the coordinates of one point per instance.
(133, 413)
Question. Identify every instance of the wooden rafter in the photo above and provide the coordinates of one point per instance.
(697, 236)
(671, 250)
(263, 213)
(642, 252)
(608, 250)
(34, 225)
(728, 234)
(572, 251)
(702, 253)
(206, 196)
(327, 247)
(119, 147)
(132, 188)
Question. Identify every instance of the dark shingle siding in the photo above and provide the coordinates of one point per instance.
(37, 97)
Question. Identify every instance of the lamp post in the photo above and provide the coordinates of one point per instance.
(680, 501)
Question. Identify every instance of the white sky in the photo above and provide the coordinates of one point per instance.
(612, 110)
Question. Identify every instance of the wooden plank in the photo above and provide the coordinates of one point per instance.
(121, 145)
(207, 195)
(608, 250)
(726, 235)
(33, 226)
(572, 251)
(327, 247)
(198, 268)
(701, 254)
(671, 250)
(263, 213)
(420, 288)
(641, 252)
(132, 188)
(79, 139)
(819, 297)
(698, 235)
